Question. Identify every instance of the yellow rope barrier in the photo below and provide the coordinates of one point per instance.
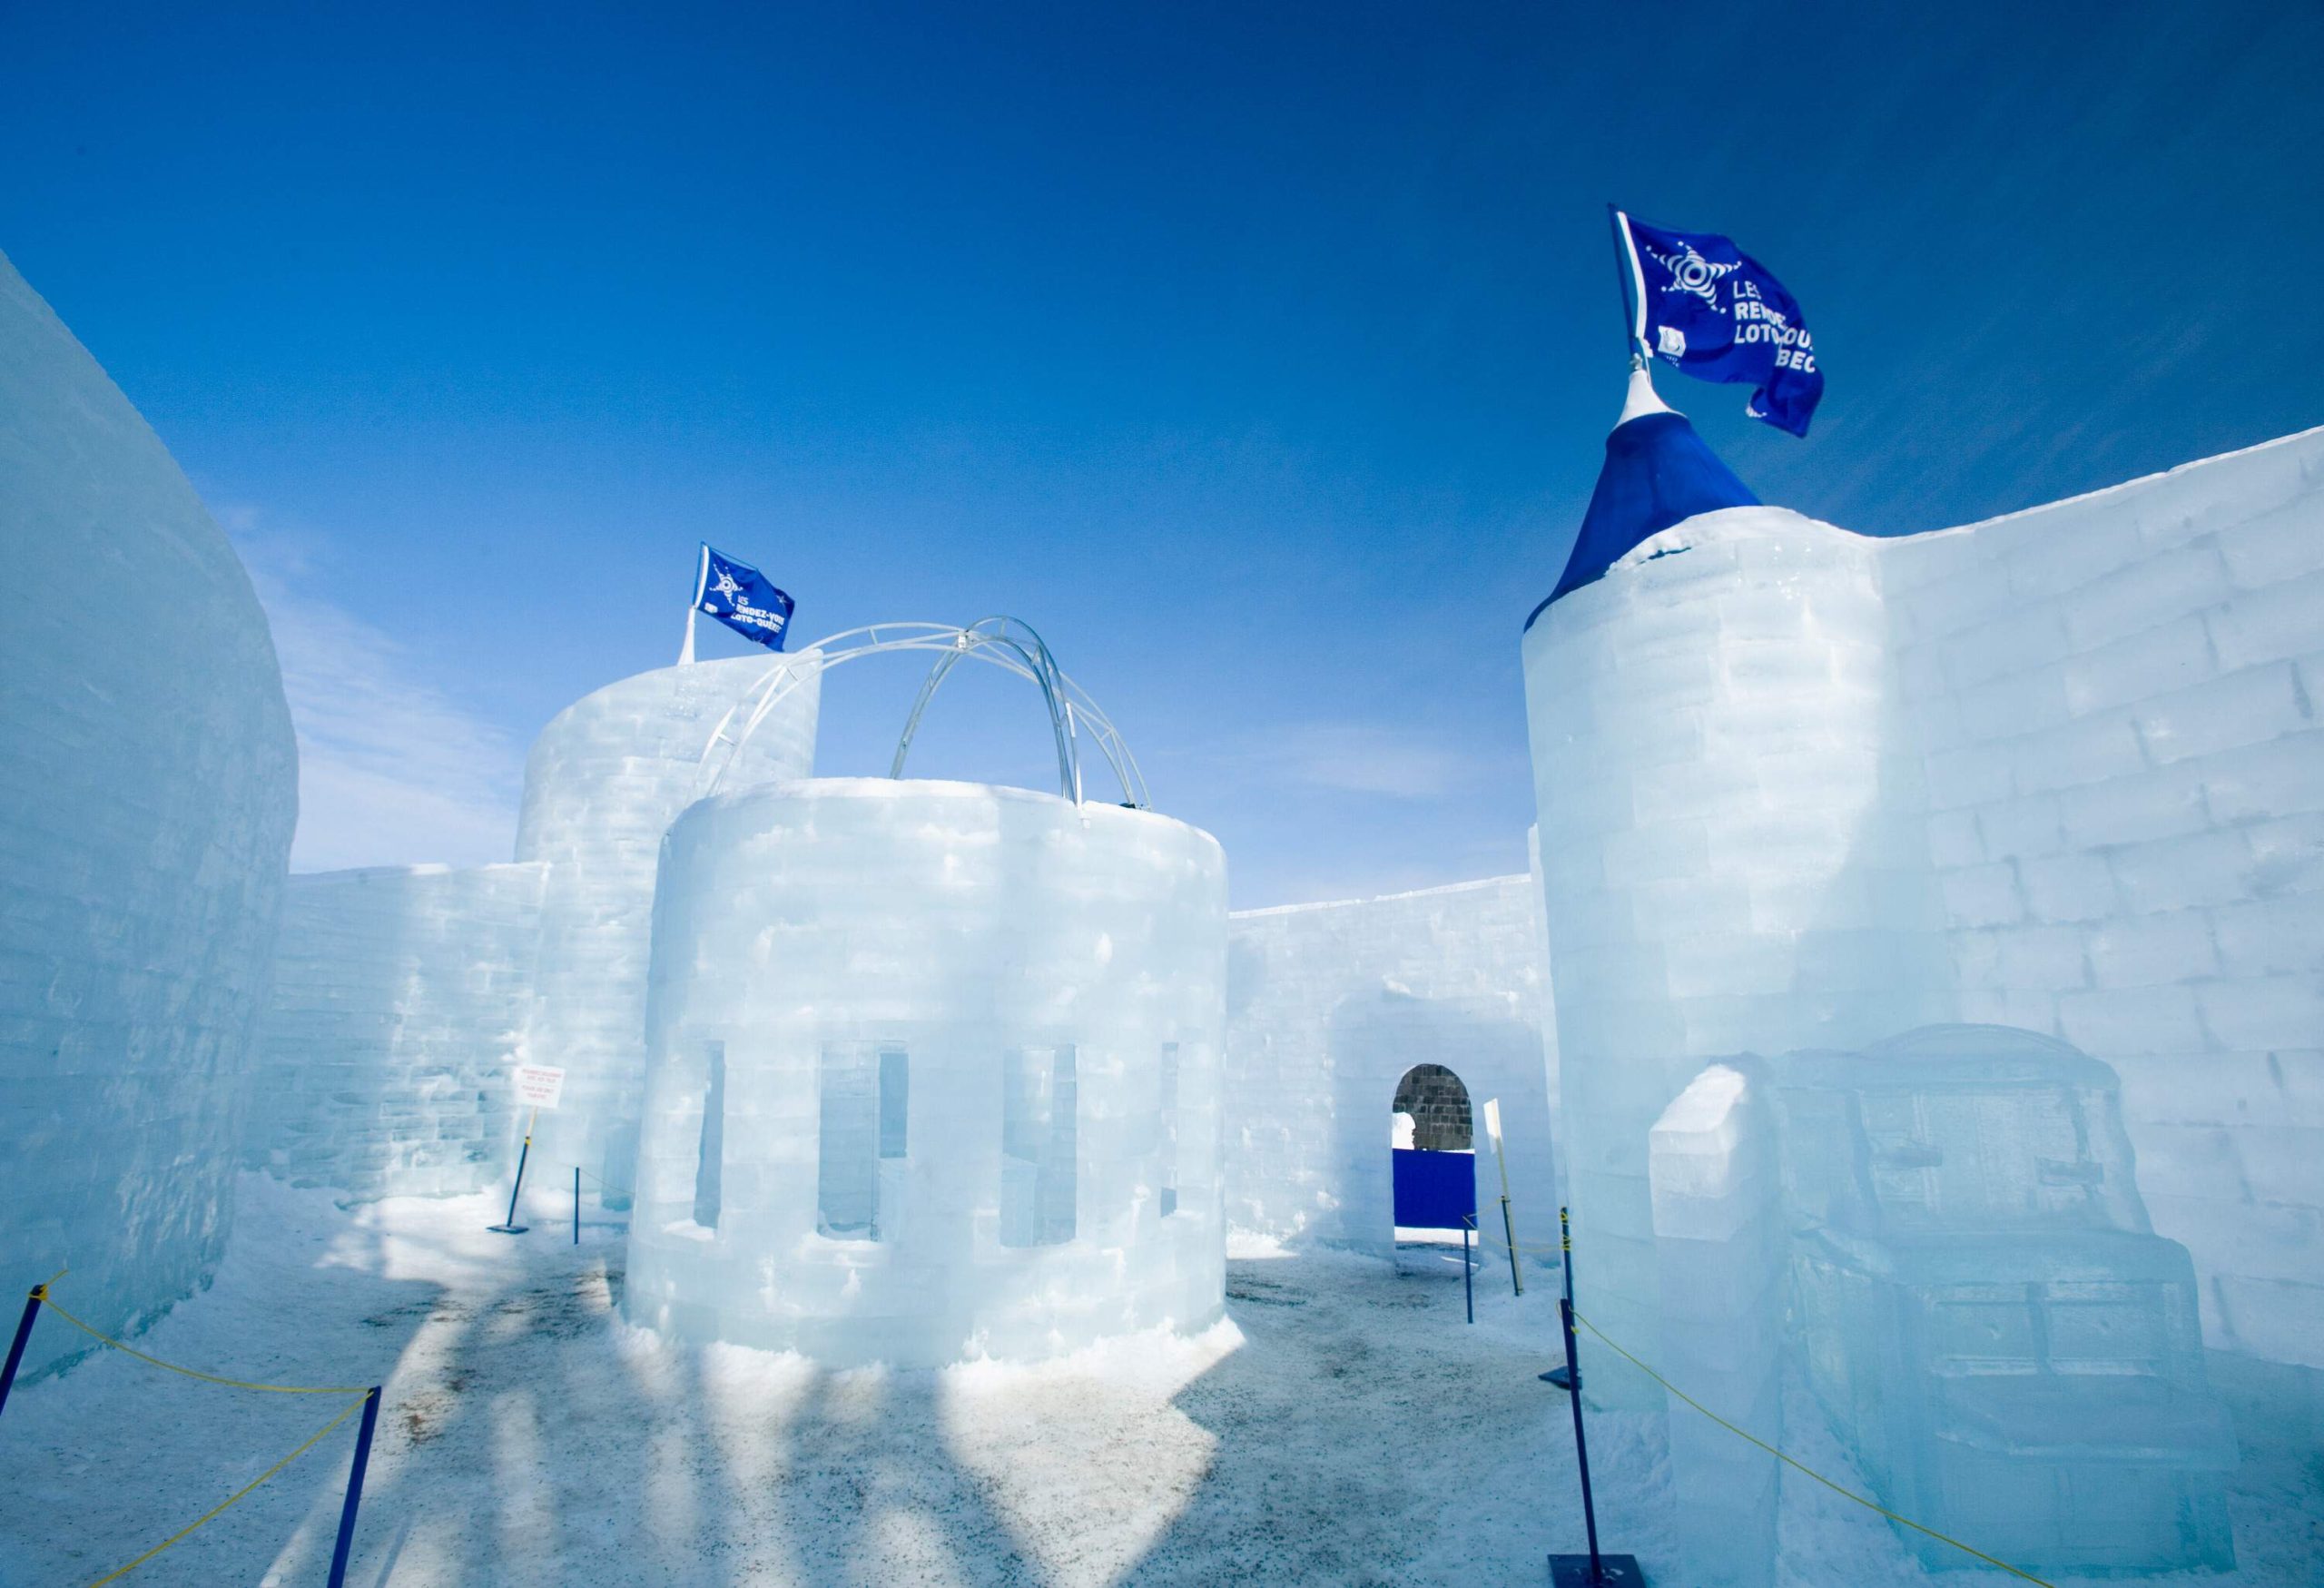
(50, 1304)
(356, 1406)
(1797, 1465)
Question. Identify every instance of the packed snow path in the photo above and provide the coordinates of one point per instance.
(1345, 1427)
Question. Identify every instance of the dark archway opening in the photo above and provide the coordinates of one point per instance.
(1439, 1106)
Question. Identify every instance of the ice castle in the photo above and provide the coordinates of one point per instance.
(1920, 974)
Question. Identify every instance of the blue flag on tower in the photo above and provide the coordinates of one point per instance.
(741, 597)
(1718, 314)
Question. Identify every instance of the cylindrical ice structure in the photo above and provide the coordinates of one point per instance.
(935, 1074)
(602, 783)
(400, 994)
(1733, 854)
(148, 787)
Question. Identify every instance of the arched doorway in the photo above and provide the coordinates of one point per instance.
(1438, 1106)
(1432, 1136)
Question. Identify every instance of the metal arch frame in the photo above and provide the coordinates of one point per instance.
(1005, 642)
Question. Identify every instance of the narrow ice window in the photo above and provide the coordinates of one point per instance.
(847, 1174)
(1169, 1113)
(709, 1171)
(896, 1095)
(1038, 1144)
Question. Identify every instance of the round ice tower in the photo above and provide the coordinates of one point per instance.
(1732, 853)
(935, 1073)
(601, 785)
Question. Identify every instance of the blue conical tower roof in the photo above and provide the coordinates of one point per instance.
(1657, 472)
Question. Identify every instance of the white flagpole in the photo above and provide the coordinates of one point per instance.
(1634, 283)
(701, 583)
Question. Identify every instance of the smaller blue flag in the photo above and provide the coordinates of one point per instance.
(1718, 314)
(742, 599)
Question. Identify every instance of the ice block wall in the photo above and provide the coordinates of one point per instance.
(1731, 845)
(941, 1080)
(602, 785)
(2117, 698)
(148, 788)
(1329, 1005)
(2075, 747)
(400, 995)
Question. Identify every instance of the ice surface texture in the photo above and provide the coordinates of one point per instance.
(149, 781)
(2061, 771)
(400, 995)
(1329, 1005)
(935, 1073)
(601, 785)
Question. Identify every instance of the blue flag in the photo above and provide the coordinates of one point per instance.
(741, 597)
(1717, 313)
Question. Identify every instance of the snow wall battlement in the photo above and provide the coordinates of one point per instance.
(2061, 770)
(1329, 1005)
(150, 781)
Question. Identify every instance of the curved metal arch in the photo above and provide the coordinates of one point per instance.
(1002, 642)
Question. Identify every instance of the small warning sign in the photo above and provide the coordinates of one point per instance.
(540, 1085)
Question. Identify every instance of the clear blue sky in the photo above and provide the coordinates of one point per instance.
(1259, 355)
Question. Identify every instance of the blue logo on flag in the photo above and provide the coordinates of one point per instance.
(741, 597)
(1718, 314)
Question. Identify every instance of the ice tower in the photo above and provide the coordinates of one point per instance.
(1731, 852)
(935, 1072)
(150, 783)
(601, 785)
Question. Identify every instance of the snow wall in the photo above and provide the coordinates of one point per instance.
(601, 785)
(149, 779)
(1329, 1005)
(942, 1080)
(400, 995)
(2060, 770)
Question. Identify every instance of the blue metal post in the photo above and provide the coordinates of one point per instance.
(38, 1294)
(576, 1203)
(1468, 1276)
(511, 1227)
(354, 1489)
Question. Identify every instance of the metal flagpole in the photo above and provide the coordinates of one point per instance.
(701, 583)
(1626, 272)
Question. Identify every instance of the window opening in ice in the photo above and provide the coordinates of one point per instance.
(895, 1094)
(1038, 1145)
(852, 1133)
(708, 1173)
(1169, 1115)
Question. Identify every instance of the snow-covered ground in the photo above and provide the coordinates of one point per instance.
(1344, 1426)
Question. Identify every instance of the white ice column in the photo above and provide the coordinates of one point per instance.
(148, 788)
(1732, 845)
(935, 1072)
(602, 783)
(1720, 1240)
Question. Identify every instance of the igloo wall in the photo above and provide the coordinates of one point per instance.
(400, 996)
(1329, 1005)
(935, 1073)
(150, 781)
(602, 783)
(2061, 770)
